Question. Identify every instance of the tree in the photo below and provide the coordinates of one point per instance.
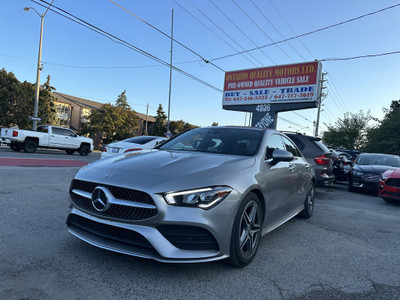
(115, 122)
(178, 126)
(349, 132)
(122, 100)
(385, 138)
(214, 124)
(160, 127)
(17, 101)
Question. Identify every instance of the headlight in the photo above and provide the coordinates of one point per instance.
(204, 198)
(357, 173)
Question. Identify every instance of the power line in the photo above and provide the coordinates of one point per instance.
(258, 26)
(284, 20)
(126, 44)
(276, 29)
(212, 31)
(334, 87)
(334, 92)
(163, 33)
(311, 32)
(238, 28)
(360, 56)
(297, 114)
(216, 25)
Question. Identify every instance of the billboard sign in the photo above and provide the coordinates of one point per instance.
(294, 83)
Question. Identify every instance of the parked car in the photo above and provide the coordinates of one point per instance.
(49, 137)
(204, 195)
(132, 144)
(342, 165)
(352, 153)
(368, 168)
(389, 186)
(318, 155)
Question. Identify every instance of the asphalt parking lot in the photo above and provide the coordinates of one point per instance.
(349, 249)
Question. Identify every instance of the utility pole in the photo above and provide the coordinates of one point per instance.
(170, 69)
(319, 103)
(147, 119)
(35, 117)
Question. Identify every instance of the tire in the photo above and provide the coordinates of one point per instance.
(30, 146)
(15, 147)
(84, 150)
(246, 231)
(309, 203)
(70, 151)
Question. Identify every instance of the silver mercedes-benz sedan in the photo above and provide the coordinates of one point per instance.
(204, 195)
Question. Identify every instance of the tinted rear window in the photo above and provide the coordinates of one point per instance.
(309, 146)
(139, 139)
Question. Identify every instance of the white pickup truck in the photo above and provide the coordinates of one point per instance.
(47, 137)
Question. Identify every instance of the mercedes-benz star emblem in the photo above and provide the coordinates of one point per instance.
(100, 199)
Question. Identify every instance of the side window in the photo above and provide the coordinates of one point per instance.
(68, 132)
(291, 147)
(56, 130)
(274, 142)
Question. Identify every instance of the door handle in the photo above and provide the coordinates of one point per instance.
(291, 168)
(52, 135)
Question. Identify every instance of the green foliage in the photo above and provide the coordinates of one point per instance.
(178, 126)
(122, 100)
(160, 127)
(349, 132)
(17, 102)
(115, 122)
(385, 137)
(214, 124)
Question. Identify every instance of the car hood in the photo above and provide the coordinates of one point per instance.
(160, 170)
(86, 139)
(372, 169)
(394, 173)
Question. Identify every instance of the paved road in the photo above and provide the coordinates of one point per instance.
(349, 249)
(44, 154)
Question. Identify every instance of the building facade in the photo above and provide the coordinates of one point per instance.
(72, 112)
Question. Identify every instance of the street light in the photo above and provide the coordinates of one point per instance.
(39, 66)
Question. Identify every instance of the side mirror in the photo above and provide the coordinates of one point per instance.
(281, 155)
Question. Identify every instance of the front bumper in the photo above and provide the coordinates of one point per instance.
(175, 234)
(135, 240)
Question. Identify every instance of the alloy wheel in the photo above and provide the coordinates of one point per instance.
(250, 229)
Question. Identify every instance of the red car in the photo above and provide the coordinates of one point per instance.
(389, 186)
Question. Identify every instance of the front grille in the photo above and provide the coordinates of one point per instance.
(118, 234)
(189, 237)
(119, 212)
(371, 177)
(395, 182)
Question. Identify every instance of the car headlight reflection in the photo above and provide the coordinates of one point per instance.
(203, 198)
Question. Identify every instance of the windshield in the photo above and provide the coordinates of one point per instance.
(378, 159)
(238, 141)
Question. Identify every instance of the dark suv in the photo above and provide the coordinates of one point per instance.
(317, 154)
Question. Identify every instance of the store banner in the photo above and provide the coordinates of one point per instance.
(293, 83)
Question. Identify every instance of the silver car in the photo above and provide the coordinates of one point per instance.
(205, 195)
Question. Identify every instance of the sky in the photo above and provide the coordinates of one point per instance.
(209, 35)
